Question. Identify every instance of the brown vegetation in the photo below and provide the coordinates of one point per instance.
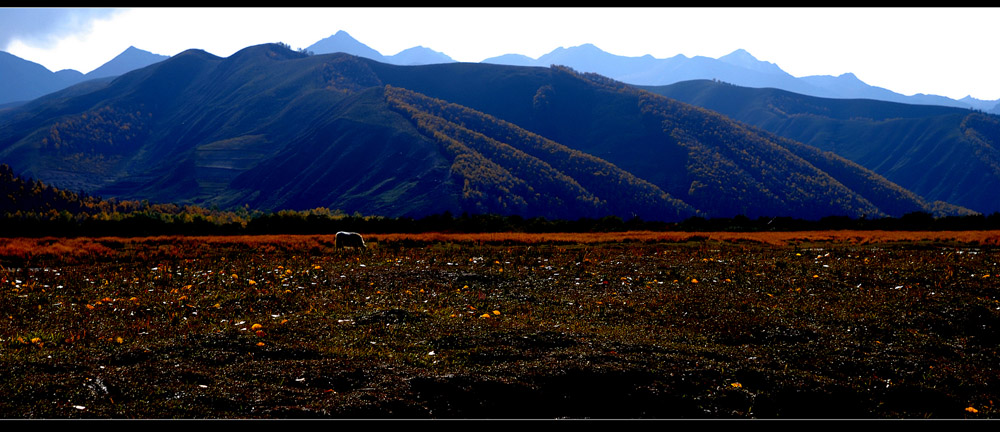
(771, 238)
(67, 250)
(502, 325)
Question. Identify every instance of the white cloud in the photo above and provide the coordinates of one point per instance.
(44, 26)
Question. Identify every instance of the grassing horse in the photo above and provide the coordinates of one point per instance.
(349, 239)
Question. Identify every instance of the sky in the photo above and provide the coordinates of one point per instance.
(944, 51)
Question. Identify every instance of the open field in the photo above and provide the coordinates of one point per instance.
(831, 324)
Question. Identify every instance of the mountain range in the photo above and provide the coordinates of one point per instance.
(271, 128)
(343, 42)
(940, 153)
(25, 80)
(738, 67)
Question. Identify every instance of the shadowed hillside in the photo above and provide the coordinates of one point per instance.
(578, 184)
(674, 146)
(941, 153)
(270, 128)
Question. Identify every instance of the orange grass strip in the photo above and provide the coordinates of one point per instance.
(772, 238)
(83, 247)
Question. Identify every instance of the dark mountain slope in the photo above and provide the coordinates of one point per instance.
(266, 127)
(941, 153)
(569, 183)
(88, 140)
(670, 144)
(504, 92)
(273, 128)
(25, 80)
(361, 157)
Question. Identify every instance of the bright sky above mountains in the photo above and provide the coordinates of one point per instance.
(943, 51)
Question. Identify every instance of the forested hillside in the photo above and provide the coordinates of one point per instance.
(272, 129)
(940, 153)
(718, 166)
(505, 156)
(31, 207)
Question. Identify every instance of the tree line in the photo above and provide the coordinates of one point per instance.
(30, 208)
(141, 224)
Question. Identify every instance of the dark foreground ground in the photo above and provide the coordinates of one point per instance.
(283, 328)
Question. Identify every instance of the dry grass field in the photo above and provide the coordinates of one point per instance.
(826, 324)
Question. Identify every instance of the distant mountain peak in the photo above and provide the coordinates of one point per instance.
(588, 48)
(419, 55)
(744, 59)
(740, 53)
(510, 59)
(132, 50)
(130, 59)
(849, 76)
(341, 41)
(343, 36)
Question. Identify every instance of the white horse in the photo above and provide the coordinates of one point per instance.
(350, 239)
